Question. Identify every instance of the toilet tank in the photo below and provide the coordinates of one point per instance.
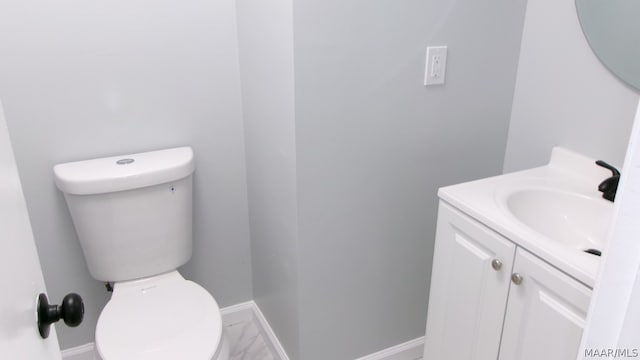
(132, 213)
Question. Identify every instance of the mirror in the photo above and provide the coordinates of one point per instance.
(612, 28)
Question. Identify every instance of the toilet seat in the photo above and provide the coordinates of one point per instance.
(161, 317)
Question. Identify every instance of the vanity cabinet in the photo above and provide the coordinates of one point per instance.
(491, 299)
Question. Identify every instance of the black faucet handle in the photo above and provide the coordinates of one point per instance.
(613, 170)
(609, 186)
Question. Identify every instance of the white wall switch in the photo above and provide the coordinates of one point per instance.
(436, 65)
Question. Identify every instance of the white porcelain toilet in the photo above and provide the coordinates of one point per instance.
(133, 218)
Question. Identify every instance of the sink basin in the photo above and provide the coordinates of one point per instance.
(573, 219)
(553, 211)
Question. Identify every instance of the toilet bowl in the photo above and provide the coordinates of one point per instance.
(133, 217)
(161, 317)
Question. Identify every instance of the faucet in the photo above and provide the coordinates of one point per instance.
(610, 185)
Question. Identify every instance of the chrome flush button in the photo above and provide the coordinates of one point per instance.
(124, 161)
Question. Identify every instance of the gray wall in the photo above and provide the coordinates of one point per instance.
(346, 149)
(85, 79)
(265, 34)
(373, 146)
(563, 95)
(343, 159)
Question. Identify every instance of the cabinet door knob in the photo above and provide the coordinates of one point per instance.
(496, 264)
(516, 278)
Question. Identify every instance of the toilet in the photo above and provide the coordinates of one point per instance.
(133, 218)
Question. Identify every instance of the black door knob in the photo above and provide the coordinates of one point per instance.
(71, 311)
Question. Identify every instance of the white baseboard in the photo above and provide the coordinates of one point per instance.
(82, 352)
(237, 313)
(410, 350)
(268, 333)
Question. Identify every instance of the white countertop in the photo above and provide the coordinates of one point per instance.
(484, 200)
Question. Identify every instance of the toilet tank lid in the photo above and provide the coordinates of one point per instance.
(125, 172)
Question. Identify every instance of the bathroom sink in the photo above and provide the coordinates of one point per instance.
(555, 211)
(572, 219)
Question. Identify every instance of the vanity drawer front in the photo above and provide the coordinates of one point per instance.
(469, 288)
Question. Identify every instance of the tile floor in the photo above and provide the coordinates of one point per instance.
(246, 342)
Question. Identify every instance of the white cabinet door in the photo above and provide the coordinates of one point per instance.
(546, 313)
(468, 296)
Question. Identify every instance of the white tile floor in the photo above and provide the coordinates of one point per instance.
(246, 342)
